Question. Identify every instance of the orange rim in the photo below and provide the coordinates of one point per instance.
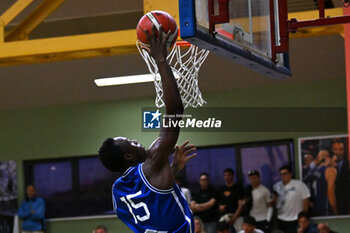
(183, 43)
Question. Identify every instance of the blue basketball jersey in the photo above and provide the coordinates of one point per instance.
(146, 209)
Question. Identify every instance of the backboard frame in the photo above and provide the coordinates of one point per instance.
(213, 41)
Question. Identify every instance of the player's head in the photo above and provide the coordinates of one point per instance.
(30, 191)
(303, 220)
(223, 227)
(228, 176)
(249, 224)
(323, 228)
(286, 174)
(338, 149)
(100, 229)
(254, 177)
(117, 154)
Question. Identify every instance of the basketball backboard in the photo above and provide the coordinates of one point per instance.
(245, 31)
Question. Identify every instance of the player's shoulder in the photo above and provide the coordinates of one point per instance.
(127, 176)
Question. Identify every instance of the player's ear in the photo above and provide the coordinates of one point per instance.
(128, 157)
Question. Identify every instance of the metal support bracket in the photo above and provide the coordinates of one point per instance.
(222, 17)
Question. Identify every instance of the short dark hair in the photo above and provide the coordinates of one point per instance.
(101, 227)
(253, 173)
(223, 225)
(337, 141)
(230, 170)
(304, 214)
(204, 174)
(111, 155)
(286, 167)
(249, 220)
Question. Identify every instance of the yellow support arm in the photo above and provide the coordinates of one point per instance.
(20, 51)
(21, 31)
(68, 47)
(14, 10)
(317, 31)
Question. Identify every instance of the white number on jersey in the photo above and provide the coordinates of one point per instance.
(131, 205)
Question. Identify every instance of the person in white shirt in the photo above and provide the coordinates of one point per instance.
(260, 198)
(184, 190)
(291, 197)
(249, 226)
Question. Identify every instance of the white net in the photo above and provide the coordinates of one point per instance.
(185, 63)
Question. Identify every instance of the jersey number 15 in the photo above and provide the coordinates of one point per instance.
(131, 206)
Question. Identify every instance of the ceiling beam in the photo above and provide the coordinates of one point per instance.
(104, 43)
(14, 11)
(23, 29)
(68, 47)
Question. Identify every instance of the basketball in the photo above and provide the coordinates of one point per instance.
(157, 18)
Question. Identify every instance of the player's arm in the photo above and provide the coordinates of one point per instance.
(331, 174)
(173, 104)
(156, 167)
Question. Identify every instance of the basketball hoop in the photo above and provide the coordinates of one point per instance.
(185, 61)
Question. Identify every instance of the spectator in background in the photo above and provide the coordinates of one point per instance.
(184, 190)
(203, 204)
(324, 228)
(32, 212)
(223, 227)
(198, 225)
(258, 197)
(100, 229)
(249, 225)
(291, 197)
(305, 225)
(230, 200)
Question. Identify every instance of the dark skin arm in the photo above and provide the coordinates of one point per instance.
(156, 167)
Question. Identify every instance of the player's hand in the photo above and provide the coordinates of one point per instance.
(182, 155)
(157, 44)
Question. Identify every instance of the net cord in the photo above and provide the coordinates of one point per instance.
(185, 62)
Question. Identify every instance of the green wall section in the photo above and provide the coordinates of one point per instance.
(74, 130)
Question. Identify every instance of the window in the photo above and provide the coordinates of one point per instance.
(78, 186)
(266, 157)
(81, 186)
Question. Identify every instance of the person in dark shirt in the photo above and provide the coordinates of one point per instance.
(204, 204)
(304, 223)
(230, 198)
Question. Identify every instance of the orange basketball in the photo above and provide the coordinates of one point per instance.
(157, 18)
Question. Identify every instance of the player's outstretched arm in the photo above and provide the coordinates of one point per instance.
(173, 104)
(156, 167)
